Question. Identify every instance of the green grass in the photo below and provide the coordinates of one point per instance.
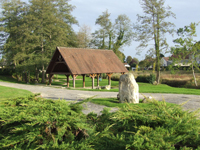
(114, 102)
(59, 80)
(8, 92)
(161, 88)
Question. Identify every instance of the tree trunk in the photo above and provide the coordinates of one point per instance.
(36, 75)
(195, 81)
(43, 73)
(158, 50)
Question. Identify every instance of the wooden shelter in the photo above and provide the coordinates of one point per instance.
(79, 61)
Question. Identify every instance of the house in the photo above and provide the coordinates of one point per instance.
(184, 62)
(127, 65)
(164, 61)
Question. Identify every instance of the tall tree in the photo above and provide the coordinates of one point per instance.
(14, 32)
(128, 59)
(123, 32)
(113, 36)
(187, 46)
(103, 36)
(84, 36)
(153, 26)
(134, 62)
(34, 29)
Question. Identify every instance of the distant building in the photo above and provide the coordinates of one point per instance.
(127, 65)
(164, 61)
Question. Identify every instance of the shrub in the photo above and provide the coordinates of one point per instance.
(142, 78)
(152, 78)
(146, 78)
(115, 77)
(158, 127)
(6, 72)
(174, 82)
(35, 123)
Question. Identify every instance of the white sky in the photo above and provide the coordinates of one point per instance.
(87, 11)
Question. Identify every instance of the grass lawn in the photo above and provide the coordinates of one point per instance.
(7, 92)
(161, 88)
(60, 80)
(113, 102)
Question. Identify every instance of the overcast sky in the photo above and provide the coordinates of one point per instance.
(87, 11)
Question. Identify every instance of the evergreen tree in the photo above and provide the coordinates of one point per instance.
(51, 26)
(34, 30)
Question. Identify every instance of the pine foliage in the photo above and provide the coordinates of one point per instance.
(36, 123)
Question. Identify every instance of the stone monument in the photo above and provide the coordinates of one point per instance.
(128, 89)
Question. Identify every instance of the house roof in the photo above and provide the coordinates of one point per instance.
(181, 55)
(166, 58)
(84, 61)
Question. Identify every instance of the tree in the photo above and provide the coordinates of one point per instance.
(51, 25)
(84, 36)
(134, 62)
(186, 45)
(153, 27)
(105, 33)
(128, 59)
(15, 32)
(33, 30)
(113, 36)
(123, 32)
(142, 64)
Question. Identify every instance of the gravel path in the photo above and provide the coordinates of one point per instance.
(77, 95)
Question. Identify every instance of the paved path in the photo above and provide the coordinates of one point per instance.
(73, 95)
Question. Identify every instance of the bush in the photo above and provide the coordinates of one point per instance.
(142, 78)
(152, 78)
(146, 78)
(158, 127)
(35, 123)
(174, 82)
(115, 77)
(6, 72)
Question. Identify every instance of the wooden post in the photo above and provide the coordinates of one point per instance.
(74, 79)
(67, 80)
(98, 79)
(122, 73)
(109, 78)
(83, 80)
(92, 76)
(50, 76)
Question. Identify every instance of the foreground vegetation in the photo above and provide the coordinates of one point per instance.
(36, 123)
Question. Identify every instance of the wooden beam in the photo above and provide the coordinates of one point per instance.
(50, 76)
(122, 73)
(83, 80)
(109, 78)
(92, 76)
(67, 80)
